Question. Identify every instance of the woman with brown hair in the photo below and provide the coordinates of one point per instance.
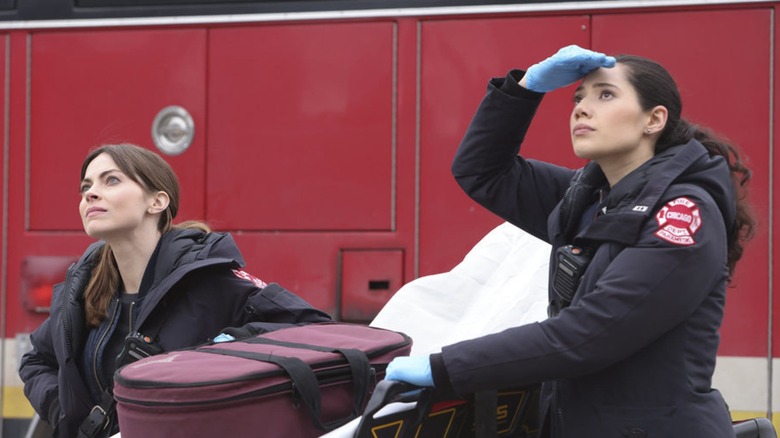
(147, 286)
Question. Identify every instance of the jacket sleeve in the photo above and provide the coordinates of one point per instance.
(39, 372)
(276, 307)
(487, 167)
(270, 307)
(647, 290)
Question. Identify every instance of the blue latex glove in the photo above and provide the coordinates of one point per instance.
(412, 369)
(564, 68)
(223, 337)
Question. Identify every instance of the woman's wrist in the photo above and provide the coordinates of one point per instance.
(522, 82)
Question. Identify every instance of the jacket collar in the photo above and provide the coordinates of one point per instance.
(578, 197)
(178, 252)
(635, 197)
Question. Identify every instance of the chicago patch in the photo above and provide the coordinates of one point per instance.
(678, 221)
(247, 276)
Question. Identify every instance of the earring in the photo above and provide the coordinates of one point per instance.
(649, 131)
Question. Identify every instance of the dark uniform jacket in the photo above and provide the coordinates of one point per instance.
(634, 352)
(193, 288)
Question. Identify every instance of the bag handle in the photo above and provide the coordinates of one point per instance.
(305, 383)
(363, 374)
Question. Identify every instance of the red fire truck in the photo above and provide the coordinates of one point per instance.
(321, 132)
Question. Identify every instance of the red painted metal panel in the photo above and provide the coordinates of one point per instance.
(304, 264)
(720, 60)
(458, 58)
(95, 87)
(775, 171)
(407, 141)
(21, 243)
(16, 318)
(307, 263)
(368, 279)
(301, 127)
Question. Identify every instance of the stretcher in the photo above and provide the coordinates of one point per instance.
(507, 266)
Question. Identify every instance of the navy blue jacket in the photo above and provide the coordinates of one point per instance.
(633, 355)
(196, 289)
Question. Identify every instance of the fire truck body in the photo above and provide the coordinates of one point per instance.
(322, 136)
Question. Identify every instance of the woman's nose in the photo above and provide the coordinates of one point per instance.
(580, 110)
(90, 194)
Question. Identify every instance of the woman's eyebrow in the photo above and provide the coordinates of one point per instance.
(102, 174)
(598, 85)
(604, 84)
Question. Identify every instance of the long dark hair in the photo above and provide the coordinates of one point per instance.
(152, 173)
(655, 86)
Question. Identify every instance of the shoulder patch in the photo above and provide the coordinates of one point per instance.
(678, 221)
(249, 277)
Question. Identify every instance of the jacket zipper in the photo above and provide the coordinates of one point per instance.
(130, 318)
(601, 209)
(557, 431)
(115, 302)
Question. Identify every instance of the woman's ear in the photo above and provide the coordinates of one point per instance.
(657, 120)
(160, 202)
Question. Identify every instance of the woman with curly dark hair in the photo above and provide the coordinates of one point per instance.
(645, 239)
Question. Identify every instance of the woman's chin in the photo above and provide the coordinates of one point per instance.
(95, 232)
(583, 153)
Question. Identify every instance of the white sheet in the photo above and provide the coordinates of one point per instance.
(501, 283)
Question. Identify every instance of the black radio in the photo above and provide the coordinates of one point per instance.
(137, 346)
(571, 263)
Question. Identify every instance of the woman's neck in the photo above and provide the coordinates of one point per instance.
(132, 256)
(617, 167)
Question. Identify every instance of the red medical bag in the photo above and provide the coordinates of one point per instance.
(294, 382)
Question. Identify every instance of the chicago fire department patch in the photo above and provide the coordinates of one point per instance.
(247, 276)
(678, 221)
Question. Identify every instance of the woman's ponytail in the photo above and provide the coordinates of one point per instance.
(102, 285)
(655, 86)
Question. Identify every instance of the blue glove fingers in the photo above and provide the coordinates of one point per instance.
(586, 60)
(412, 369)
(592, 61)
(223, 337)
(565, 67)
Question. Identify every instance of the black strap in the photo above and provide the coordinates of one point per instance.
(485, 421)
(304, 382)
(99, 419)
(362, 372)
